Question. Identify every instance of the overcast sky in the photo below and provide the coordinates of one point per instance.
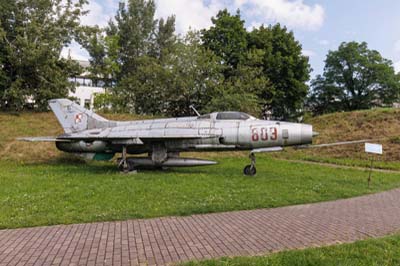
(319, 25)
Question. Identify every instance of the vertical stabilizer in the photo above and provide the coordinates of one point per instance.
(75, 118)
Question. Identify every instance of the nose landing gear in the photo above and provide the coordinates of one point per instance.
(250, 170)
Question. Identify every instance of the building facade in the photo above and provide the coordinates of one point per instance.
(85, 88)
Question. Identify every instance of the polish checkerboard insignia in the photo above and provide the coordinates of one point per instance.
(78, 118)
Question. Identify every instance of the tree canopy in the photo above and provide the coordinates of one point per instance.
(146, 67)
(275, 55)
(354, 77)
(285, 67)
(227, 38)
(32, 36)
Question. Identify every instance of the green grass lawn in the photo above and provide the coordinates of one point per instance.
(364, 161)
(67, 192)
(378, 252)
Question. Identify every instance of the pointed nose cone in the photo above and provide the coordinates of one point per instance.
(315, 133)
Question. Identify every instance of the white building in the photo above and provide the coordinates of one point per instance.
(85, 89)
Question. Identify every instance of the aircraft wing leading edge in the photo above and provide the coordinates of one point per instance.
(43, 139)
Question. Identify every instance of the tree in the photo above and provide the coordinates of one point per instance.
(286, 68)
(103, 50)
(164, 39)
(143, 92)
(32, 36)
(187, 76)
(135, 45)
(281, 63)
(223, 68)
(354, 77)
(135, 26)
(227, 38)
(195, 75)
(243, 91)
(95, 45)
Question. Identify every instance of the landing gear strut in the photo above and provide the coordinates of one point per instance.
(124, 164)
(250, 170)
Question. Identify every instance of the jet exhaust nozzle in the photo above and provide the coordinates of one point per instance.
(315, 133)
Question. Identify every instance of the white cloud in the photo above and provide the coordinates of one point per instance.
(253, 25)
(196, 14)
(193, 14)
(397, 66)
(98, 14)
(308, 53)
(294, 14)
(324, 42)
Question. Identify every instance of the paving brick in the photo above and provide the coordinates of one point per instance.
(167, 240)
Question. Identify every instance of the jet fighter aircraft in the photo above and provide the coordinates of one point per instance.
(95, 137)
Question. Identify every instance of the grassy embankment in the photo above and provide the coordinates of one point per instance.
(382, 125)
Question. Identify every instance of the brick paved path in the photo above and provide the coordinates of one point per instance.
(165, 240)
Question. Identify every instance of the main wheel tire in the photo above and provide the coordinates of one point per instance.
(249, 170)
(130, 167)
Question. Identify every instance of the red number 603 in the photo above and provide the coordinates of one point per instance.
(273, 134)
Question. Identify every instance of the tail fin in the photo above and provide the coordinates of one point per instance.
(75, 118)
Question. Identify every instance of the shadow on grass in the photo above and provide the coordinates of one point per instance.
(63, 159)
(67, 162)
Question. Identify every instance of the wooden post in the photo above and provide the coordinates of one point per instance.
(370, 170)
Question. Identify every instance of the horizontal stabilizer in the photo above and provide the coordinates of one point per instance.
(43, 139)
(332, 144)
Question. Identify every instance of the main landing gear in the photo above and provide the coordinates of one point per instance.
(250, 170)
(125, 165)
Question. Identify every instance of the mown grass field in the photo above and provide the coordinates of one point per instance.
(68, 192)
(372, 252)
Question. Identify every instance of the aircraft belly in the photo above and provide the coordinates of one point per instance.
(84, 146)
(189, 144)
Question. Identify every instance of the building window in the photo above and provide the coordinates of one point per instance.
(87, 104)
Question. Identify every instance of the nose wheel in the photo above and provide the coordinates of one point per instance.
(250, 170)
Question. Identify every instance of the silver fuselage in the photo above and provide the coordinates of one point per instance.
(189, 134)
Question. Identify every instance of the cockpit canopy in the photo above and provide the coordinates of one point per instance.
(232, 116)
(227, 116)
